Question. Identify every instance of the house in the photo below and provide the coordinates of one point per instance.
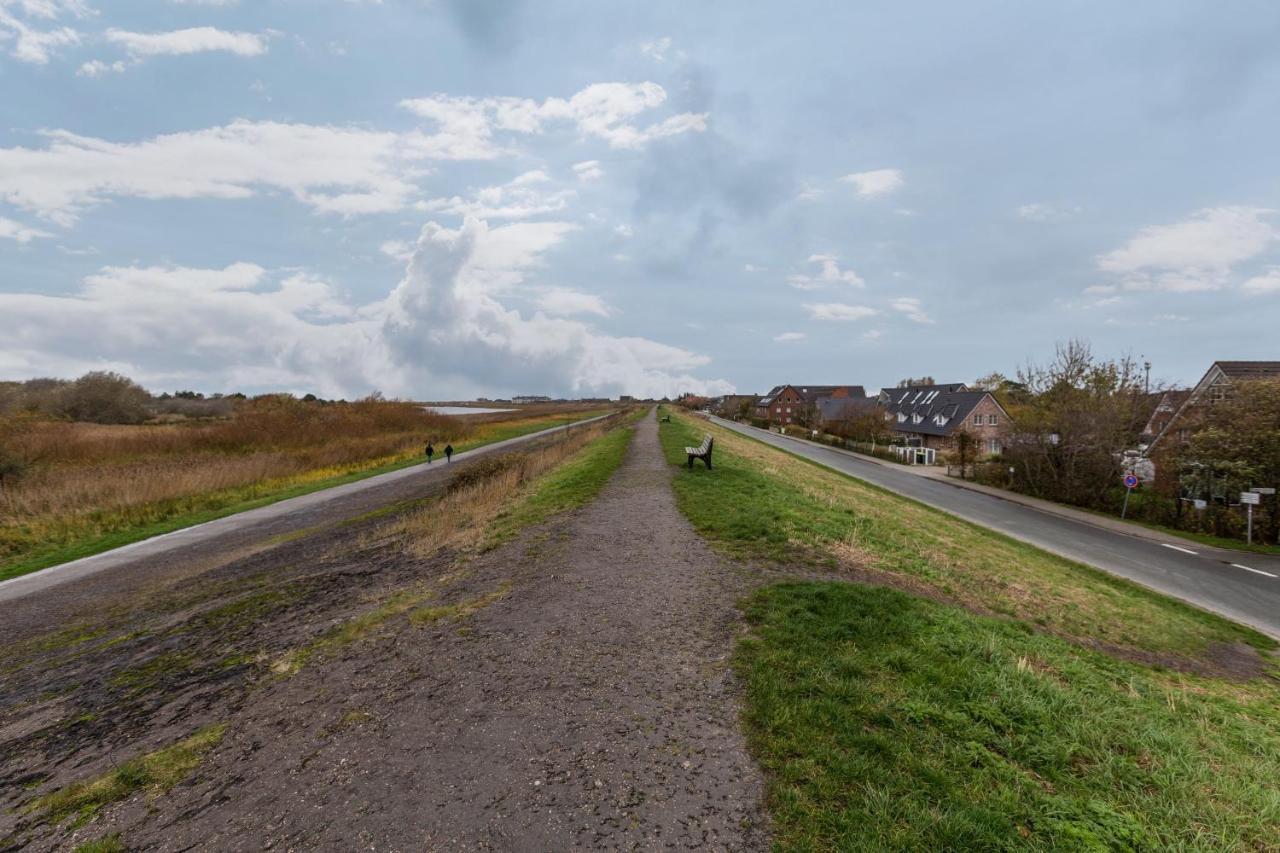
(931, 418)
(834, 410)
(1212, 387)
(735, 405)
(798, 404)
(530, 398)
(1166, 406)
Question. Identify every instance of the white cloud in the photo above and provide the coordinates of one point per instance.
(30, 26)
(1195, 254)
(1268, 282)
(602, 110)
(521, 198)
(588, 170)
(838, 311)
(11, 230)
(876, 182)
(99, 68)
(187, 41)
(656, 49)
(561, 302)
(911, 307)
(441, 331)
(344, 170)
(788, 337)
(829, 274)
(751, 268)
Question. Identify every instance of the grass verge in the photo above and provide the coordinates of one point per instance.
(113, 530)
(763, 502)
(890, 722)
(156, 773)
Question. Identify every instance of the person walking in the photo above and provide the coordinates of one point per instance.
(448, 452)
(431, 451)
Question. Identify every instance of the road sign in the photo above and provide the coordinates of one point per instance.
(1200, 504)
(1130, 481)
(1250, 498)
(1262, 491)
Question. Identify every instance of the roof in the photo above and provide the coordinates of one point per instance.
(1249, 369)
(843, 408)
(812, 393)
(952, 403)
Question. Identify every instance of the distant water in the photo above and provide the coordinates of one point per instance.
(463, 410)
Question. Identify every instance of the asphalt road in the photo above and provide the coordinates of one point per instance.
(233, 532)
(1239, 585)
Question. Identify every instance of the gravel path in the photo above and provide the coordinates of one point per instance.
(588, 704)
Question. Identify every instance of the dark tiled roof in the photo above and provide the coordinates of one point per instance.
(927, 402)
(843, 408)
(813, 393)
(1249, 369)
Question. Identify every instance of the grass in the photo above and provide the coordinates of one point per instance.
(40, 542)
(763, 502)
(890, 722)
(972, 715)
(156, 773)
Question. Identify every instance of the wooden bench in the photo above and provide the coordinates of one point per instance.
(665, 419)
(702, 451)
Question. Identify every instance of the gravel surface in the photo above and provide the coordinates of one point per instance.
(578, 697)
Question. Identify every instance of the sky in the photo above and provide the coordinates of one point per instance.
(444, 199)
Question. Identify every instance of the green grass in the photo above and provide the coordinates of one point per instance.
(107, 844)
(199, 509)
(889, 722)
(569, 486)
(156, 772)
(763, 502)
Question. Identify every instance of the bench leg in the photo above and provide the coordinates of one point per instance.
(707, 459)
(690, 461)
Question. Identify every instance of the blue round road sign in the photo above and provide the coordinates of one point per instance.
(1130, 481)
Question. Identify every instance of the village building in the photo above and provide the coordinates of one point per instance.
(797, 405)
(931, 418)
(1214, 386)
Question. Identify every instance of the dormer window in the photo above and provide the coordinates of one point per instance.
(915, 419)
(902, 417)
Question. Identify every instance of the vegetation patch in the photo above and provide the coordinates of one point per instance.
(763, 502)
(459, 610)
(156, 773)
(891, 722)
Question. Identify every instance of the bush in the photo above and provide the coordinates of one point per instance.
(105, 398)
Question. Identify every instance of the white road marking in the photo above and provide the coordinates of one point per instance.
(1178, 548)
(1255, 571)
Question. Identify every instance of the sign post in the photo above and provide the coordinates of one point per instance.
(1250, 500)
(1130, 483)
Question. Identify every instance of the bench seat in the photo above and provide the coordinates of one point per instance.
(702, 451)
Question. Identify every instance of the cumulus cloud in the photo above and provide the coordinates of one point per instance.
(602, 110)
(838, 311)
(588, 170)
(789, 337)
(562, 302)
(187, 41)
(1195, 254)
(876, 182)
(525, 196)
(1268, 282)
(11, 230)
(442, 329)
(31, 31)
(912, 308)
(829, 273)
(344, 170)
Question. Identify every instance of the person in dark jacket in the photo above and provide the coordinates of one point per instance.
(431, 451)
(448, 451)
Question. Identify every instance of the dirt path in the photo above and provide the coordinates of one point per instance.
(586, 703)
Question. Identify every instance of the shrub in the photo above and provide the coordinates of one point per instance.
(104, 398)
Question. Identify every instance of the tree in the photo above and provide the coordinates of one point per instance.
(911, 383)
(105, 398)
(1079, 415)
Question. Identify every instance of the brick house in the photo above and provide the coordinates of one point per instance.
(931, 418)
(797, 405)
(1212, 387)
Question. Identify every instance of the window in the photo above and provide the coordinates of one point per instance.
(915, 419)
(992, 420)
(788, 410)
(902, 417)
(977, 420)
(993, 445)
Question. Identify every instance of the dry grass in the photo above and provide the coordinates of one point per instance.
(460, 519)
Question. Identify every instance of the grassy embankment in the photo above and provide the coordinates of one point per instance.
(96, 488)
(972, 711)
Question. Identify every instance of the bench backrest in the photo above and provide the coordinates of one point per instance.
(706, 444)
